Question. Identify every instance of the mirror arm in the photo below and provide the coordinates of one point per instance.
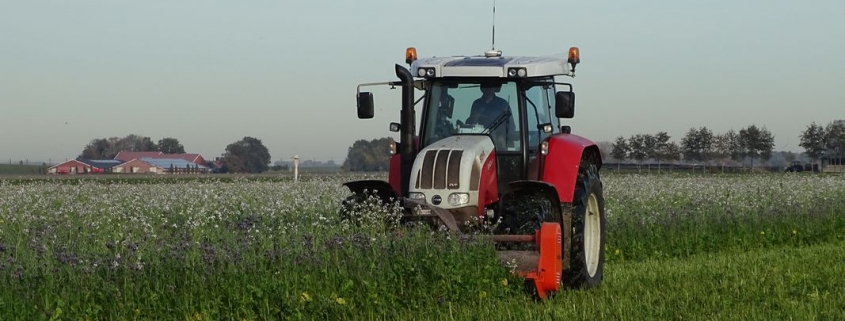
(392, 84)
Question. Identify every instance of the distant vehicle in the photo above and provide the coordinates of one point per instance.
(797, 167)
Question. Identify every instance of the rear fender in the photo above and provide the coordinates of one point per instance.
(560, 165)
(381, 188)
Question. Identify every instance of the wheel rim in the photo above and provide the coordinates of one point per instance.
(592, 235)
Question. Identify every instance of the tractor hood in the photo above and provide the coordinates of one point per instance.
(447, 173)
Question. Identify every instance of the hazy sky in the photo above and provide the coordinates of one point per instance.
(211, 72)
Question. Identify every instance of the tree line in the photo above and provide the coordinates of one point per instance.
(247, 155)
(819, 141)
(700, 144)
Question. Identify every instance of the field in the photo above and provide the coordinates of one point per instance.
(680, 246)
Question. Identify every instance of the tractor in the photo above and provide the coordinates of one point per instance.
(491, 149)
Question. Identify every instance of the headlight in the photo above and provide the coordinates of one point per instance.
(416, 196)
(425, 72)
(456, 199)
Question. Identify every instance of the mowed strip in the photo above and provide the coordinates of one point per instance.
(786, 283)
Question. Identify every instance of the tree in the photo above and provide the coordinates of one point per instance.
(813, 141)
(673, 152)
(638, 148)
(661, 143)
(107, 148)
(170, 145)
(736, 149)
(248, 155)
(697, 144)
(721, 149)
(758, 142)
(834, 139)
(368, 156)
(650, 144)
(620, 151)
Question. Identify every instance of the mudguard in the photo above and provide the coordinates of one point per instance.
(381, 188)
(560, 166)
(394, 176)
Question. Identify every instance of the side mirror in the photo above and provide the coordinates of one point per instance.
(365, 105)
(565, 104)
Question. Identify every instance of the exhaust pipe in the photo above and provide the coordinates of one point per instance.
(407, 150)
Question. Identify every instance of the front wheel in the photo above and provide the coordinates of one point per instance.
(586, 252)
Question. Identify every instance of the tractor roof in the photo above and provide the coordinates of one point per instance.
(492, 64)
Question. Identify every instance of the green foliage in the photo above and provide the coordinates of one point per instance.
(697, 145)
(248, 155)
(757, 142)
(170, 145)
(620, 149)
(834, 139)
(679, 247)
(107, 148)
(813, 141)
(368, 156)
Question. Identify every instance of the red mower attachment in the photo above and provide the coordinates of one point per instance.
(541, 267)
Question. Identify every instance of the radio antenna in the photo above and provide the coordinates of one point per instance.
(494, 26)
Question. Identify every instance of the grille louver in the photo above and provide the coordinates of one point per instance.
(441, 169)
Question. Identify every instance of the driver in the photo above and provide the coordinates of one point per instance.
(487, 109)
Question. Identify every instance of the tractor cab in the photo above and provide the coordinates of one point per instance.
(514, 101)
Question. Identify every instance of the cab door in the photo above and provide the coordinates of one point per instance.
(538, 112)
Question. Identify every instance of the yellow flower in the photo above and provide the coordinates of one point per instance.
(482, 295)
(762, 232)
(617, 252)
(504, 282)
(794, 232)
(304, 297)
(340, 301)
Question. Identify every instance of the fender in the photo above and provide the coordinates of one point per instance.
(560, 166)
(381, 188)
(394, 176)
(488, 190)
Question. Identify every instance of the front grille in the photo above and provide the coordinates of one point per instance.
(441, 169)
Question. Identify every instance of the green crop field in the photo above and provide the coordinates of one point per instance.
(679, 247)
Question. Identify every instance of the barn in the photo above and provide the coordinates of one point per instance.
(149, 165)
(84, 166)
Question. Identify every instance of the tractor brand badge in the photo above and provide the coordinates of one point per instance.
(436, 199)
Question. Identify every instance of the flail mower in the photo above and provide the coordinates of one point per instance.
(491, 149)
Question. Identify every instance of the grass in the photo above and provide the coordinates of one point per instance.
(680, 246)
(784, 283)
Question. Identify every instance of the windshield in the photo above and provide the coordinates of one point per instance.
(474, 108)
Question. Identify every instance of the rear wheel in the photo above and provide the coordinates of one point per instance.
(586, 252)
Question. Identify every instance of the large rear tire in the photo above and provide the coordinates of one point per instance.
(586, 252)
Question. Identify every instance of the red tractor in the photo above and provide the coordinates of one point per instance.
(491, 149)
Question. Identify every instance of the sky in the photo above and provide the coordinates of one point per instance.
(212, 72)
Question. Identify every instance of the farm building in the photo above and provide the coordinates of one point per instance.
(128, 156)
(833, 164)
(149, 165)
(175, 166)
(84, 166)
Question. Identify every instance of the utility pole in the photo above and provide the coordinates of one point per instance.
(296, 168)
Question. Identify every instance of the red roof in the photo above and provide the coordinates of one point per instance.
(128, 156)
